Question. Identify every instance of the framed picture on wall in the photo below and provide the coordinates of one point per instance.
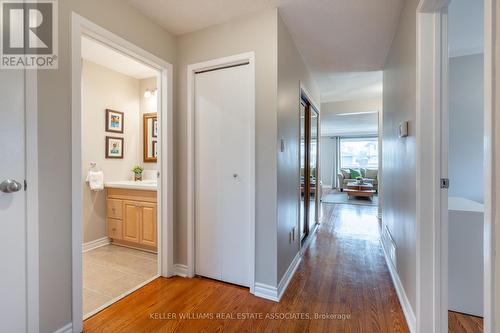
(155, 149)
(154, 131)
(114, 147)
(114, 121)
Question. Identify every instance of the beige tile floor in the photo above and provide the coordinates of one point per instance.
(112, 270)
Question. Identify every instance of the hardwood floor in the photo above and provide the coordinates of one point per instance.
(462, 323)
(343, 278)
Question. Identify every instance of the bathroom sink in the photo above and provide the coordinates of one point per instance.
(150, 185)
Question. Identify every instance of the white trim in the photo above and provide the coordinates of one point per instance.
(275, 293)
(403, 299)
(181, 270)
(266, 291)
(428, 167)
(68, 328)
(92, 245)
(432, 236)
(231, 60)
(287, 277)
(119, 297)
(490, 163)
(81, 26)
(32, 218)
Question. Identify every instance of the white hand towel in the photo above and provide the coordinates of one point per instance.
(96, 180)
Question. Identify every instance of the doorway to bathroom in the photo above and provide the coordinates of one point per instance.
(122, 179)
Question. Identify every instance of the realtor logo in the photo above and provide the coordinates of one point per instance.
(29, 34)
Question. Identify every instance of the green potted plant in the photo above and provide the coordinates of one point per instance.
(137, 170)
(359, 180)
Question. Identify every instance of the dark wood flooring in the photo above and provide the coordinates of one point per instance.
(341, 285)
(462, 323)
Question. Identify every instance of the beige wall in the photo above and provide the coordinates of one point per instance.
(148, 105)
(103, 89)
(256, 33)
(291, 72)
(54, 113)
(399, 154)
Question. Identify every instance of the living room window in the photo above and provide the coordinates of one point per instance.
(358, 153)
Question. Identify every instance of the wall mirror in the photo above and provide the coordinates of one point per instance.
(150, 137)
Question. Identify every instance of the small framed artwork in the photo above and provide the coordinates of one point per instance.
(155, 149)
(114, 147)
(154, 130)
(114, 121)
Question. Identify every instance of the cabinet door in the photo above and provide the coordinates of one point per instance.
(131, 221)
(148, 219)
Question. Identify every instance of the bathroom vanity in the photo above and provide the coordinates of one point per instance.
(132, 214)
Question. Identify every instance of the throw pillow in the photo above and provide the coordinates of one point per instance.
(354, 173)
(345, 173)
(371, 174)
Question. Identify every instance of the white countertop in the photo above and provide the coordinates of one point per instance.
(148, 185)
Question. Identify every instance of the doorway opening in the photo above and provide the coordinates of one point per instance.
(309, 168)
(462, 149)
(455, 124)
(122, 179)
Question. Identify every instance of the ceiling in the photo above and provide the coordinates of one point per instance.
(350, 86)
(184, 16)
(357, 124)
(109, 58)
(465, 27)
(355, 117)
(333, 36)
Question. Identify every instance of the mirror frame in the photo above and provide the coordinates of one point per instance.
(145, 119)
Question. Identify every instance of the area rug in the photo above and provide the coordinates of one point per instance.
(341, 198)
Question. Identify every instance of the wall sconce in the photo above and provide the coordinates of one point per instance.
(150, 93)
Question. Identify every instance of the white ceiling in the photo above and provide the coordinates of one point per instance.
(356, 124)
(355, 117)
(350, 86)
(465, 27)
(333, 36)
(183, 16)
(109, 58)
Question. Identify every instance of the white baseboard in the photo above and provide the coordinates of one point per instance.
(287, 277)
(266, 291)
(411, 320)
(272, 293)
(181, 270)
(95, 244)
(65, 329)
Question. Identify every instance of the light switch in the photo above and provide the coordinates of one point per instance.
(403, 129)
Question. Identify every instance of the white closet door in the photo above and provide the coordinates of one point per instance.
(223, 160)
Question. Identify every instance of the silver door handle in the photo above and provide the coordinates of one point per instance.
(10, 186)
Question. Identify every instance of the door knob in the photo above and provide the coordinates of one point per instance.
(10, 186)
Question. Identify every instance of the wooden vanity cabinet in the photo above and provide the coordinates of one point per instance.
(131, 216)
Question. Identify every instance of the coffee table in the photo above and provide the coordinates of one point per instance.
(360, 190)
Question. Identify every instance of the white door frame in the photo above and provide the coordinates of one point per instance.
(32, 213)
(191, 204)
(432, 233)
(83, 27)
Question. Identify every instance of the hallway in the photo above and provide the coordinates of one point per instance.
(343, 278)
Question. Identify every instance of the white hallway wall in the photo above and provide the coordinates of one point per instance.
(466, 120)
(399, 154)
(54, 144)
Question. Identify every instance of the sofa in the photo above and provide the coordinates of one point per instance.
(369, 175)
